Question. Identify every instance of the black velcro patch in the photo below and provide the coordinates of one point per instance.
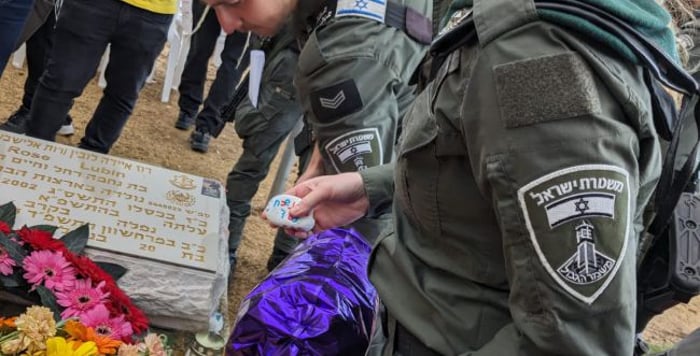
(336, 101)
(419, 27)
(544, 89)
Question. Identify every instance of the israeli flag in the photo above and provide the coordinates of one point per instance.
(371, 9)
(581, 206)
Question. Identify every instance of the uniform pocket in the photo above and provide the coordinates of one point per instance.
(416, 168)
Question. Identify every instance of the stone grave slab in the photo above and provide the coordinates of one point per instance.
(168, 228)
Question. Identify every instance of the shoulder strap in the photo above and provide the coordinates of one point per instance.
(494, 17)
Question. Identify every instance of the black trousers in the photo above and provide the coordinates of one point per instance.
(83, 31)
(194, 74)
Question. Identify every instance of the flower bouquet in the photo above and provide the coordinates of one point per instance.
(54, 273)
(36, 333)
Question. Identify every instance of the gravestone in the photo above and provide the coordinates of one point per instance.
(168, 228)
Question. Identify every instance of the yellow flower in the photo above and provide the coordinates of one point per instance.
(57, 346)
(36, 325)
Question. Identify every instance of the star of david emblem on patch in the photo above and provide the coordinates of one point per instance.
(361, 4)
(582, 206)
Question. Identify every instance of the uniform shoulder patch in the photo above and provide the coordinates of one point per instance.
(355, 150)
(370, 9)
(336, 101)
(578, 221)
(543, 89)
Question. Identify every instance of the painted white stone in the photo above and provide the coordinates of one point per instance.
(277, 212)
(168, 228)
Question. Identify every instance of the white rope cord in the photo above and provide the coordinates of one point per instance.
(57, 8)
(199, 22)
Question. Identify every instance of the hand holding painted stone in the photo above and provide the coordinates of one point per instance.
(277, 212)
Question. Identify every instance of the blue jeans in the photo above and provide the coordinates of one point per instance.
(83, 30)
(13, 13)
(194, 74)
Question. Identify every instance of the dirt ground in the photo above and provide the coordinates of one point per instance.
(150, 137)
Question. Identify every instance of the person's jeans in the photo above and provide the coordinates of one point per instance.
(194, 74)
(13, 14)
(83, 30)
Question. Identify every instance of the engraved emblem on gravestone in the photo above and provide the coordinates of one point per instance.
(183, 182)
(180, 198)
(211, 188)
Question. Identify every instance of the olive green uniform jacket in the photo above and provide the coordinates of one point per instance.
(262, 128)
(353, 84)
(522, 174)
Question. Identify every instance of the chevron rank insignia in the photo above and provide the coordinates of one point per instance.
(336, 101)
(579, 224)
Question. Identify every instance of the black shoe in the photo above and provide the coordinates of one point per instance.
(17, 123)
(276, 258)
(199, 141)
(184, 121)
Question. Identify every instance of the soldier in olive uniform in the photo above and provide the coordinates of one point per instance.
(522, 174)
(353, 75)
(263, 128)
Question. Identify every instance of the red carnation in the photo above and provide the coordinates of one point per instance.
(40, 239)
(4, 228)
(121, 304)
(88, 269)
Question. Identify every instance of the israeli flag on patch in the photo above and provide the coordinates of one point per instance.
(371, 9)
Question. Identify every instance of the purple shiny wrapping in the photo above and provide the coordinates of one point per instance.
(319, 301)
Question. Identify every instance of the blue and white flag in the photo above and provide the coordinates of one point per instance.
(371, 9)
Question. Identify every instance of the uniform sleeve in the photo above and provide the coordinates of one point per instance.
(379, 187)
(351, 90)
(568, 166)
(277, 106)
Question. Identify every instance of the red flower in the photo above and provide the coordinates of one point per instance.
(40, 239)
(88, 269)
(121, 304)
(4, 228)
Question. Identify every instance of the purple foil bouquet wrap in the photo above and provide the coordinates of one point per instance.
(319, 301)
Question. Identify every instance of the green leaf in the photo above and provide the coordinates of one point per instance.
(114, 270)
(13, 249)
(77, 239)
(8, 212)
(48, 228)
(14, 280)
(8, 282)
(49, 300)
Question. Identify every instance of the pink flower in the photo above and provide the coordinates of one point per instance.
(49, 267)
(81, 298)
(114, 328)
(6, 263)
